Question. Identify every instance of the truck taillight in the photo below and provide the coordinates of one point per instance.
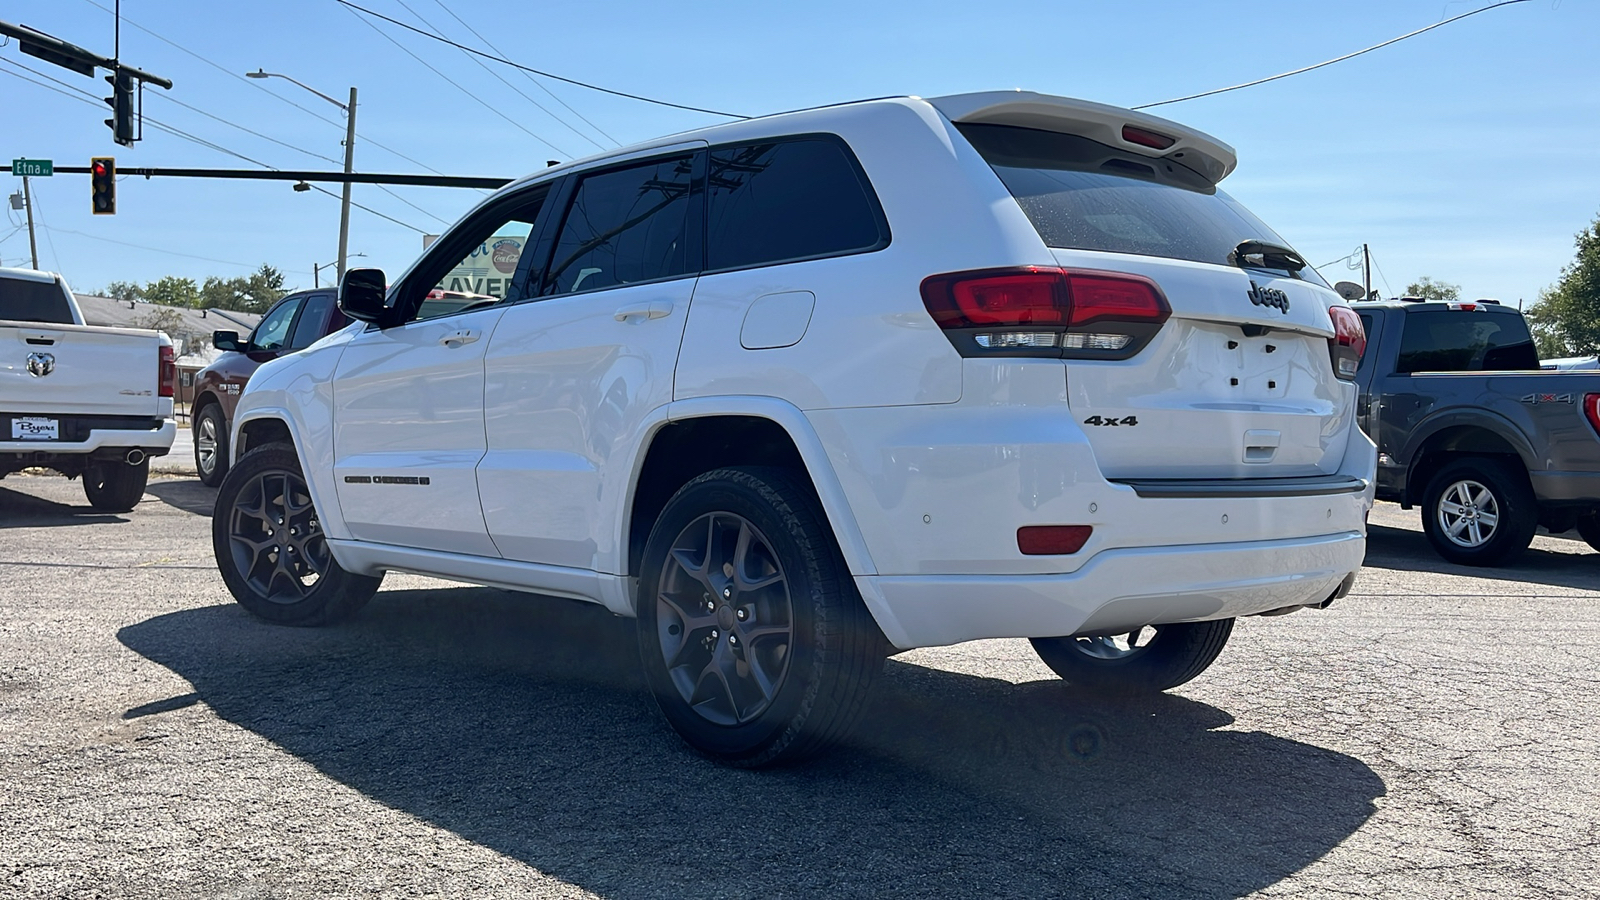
(1044, 311)
(1349, 341)
(1591, 410)
(167, 371)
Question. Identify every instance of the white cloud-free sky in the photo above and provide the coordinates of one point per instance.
(1468, 154)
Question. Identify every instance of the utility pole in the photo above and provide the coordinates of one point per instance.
(27, 201)
(349, 166)
(1366, 270)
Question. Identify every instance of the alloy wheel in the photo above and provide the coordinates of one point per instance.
(205, 443)
(724, 618)
(1116, 646)
(275, 538)
(1468, 513)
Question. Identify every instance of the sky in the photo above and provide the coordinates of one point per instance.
(1467, 154)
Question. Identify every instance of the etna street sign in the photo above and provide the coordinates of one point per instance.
(33, 167)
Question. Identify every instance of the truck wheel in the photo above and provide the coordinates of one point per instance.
(114, 486)
(1479, 512)
(270, 547)
(754, 640)
(1147, 661)
(211, 445)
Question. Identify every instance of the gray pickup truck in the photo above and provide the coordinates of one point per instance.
(1470, 429)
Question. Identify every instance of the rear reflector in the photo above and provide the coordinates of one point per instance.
(166, 371)
(1049, 311)
(1052, 540)
(1348, 343)
(1145, 138)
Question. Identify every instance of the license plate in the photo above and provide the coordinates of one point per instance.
(35, 428)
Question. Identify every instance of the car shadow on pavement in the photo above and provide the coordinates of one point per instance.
(1409, 551)
(521, 724)
(20, 510)
(188, 494)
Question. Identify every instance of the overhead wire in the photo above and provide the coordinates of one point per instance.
(536, 82)
(457, 85)
(1328, 62)
(95, 237)
(551, 75)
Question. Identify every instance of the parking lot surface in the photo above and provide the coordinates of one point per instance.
(1432, 735)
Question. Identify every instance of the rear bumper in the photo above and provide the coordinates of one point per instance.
(153, 441)
(1115, 591)
(1566, 486)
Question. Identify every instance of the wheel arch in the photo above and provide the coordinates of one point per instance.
(699, 435)
(1456, 433)
(267, 424)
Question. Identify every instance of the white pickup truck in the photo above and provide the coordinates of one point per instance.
(80, 399)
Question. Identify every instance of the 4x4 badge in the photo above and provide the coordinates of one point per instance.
(1269, 297)
(1537, 399)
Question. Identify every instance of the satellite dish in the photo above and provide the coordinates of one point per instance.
(1349, 290)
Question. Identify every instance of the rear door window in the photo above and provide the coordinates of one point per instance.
(1461, 341)
(23, 300)
(1083, 195)
(624, 227)
(781, 201)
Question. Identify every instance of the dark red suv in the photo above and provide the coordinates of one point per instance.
(293, 324)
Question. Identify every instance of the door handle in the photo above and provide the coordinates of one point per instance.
(460, 337)
(655, 309)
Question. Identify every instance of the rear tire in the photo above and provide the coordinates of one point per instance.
(113, 485)
(1136, 663)
(211, 445)
(1588, 527)
(270, 549)
(1478, 511)
(755, 643)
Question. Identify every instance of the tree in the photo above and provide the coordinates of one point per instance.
(1428, 289)
(1566, 318)
(254, 294)
(172, 291)
(125, 291)
(168, 320)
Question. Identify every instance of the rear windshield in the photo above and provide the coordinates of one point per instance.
(34, 301)
(1462, 341)
(1083, 195)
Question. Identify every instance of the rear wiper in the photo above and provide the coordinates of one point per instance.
(1273, 256)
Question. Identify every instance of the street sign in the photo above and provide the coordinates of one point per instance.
(36, 168)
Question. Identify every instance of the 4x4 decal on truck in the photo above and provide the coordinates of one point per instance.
(1272, 298)
(1111, 420)
(1537, 399)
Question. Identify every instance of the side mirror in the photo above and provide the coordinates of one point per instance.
(1350, 291)
(362, 294)
(227, 340)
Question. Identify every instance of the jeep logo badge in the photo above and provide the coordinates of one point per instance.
(41, 364)
(1269, 297)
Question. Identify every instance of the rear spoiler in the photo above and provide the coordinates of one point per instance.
(1125, 129)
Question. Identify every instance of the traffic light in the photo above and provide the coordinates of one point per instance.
(103, 185)
(121, 103)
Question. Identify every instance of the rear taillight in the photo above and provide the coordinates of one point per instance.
(167, 371)
(1591, 410)
(1046, 312)
(1349, 341)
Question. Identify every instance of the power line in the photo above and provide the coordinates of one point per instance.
(94, 237)
(1326, 62)
(479, 100)
(583, 84)
(534, 81)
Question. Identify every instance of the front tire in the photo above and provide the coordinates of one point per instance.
(1152, 659)
(112, 485)
(270, 549)
(1479, 512)
(755, 643)
(211, 445)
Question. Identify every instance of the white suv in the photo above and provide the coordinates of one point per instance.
(798, 390)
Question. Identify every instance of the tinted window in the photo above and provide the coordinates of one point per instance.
(312, 318)
(1450, 341)
(274, 329)
(34, 301)
(623, 227)
(1083, 195)
(788, 200)
(1366, 326)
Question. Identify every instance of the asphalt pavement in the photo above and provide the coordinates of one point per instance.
(1432, 735)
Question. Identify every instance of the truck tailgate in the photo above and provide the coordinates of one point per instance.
(79, 370)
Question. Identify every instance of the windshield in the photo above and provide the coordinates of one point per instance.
(1083, 195)
(23, 300)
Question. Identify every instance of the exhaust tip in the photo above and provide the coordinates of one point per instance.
(135, 456)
